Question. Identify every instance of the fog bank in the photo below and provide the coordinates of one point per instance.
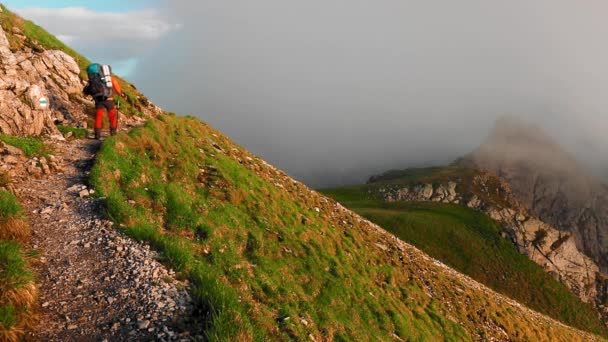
(333, 91)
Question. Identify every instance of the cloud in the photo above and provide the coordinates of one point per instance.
(334, 90)
(106, 36)
(85, 24)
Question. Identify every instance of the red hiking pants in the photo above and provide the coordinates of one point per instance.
(101, 107)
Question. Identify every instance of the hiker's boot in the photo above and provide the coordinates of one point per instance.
(97, 134)
(112, 131)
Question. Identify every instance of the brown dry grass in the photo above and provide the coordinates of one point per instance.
(15, 229)
(24, 298)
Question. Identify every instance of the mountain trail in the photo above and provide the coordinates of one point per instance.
(95, 283)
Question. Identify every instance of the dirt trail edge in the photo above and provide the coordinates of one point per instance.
(95, 283)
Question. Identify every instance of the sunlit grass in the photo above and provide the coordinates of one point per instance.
(265, 264)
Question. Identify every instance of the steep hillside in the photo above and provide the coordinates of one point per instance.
(548, 182)
(271, 259)
(470, 221)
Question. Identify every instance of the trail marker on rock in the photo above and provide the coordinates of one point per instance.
(44, 102)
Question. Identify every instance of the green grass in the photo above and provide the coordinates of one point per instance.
(7, 316)
(31, 146)
(17, 293)
(471, 242)
(429, 175)
(78, 133)
(9, 207)
(261, 258)
(245, 241)
(13, 267)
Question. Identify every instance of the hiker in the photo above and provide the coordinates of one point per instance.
(102, 87)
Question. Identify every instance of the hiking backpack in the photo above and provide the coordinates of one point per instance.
(100, 81)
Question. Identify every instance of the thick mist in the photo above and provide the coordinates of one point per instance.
(333, 91)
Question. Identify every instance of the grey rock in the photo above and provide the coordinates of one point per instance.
(143, 324)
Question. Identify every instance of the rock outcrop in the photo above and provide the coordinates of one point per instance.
(554, 250)
(548, 182)
(27, 78)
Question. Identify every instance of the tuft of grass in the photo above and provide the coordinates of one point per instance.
(77, 133)
(13, 267)
(265, 254)
(9, 206)
(17, 292)
(31, 146)
(7, 316)
(15, 229)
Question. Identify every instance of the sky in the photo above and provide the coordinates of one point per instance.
(112, 5)
(333, 91)
(129, 27)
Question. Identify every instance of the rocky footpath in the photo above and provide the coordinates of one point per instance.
(95, 283)
(554, 250)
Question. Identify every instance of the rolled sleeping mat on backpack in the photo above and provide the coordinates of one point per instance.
(106, 72)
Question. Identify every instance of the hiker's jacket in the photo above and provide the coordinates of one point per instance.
(116, 86)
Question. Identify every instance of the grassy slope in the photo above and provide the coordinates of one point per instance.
(17, 290)
(38, 38)
(468, 241)
(270, 259)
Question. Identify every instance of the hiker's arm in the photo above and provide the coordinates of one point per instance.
(116, 86)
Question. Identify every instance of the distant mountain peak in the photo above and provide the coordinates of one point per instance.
(516, 130)
(515, 142)
(548, 181)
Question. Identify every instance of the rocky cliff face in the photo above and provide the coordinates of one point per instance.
(26, 77)
(554, 250)
(549, 183)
